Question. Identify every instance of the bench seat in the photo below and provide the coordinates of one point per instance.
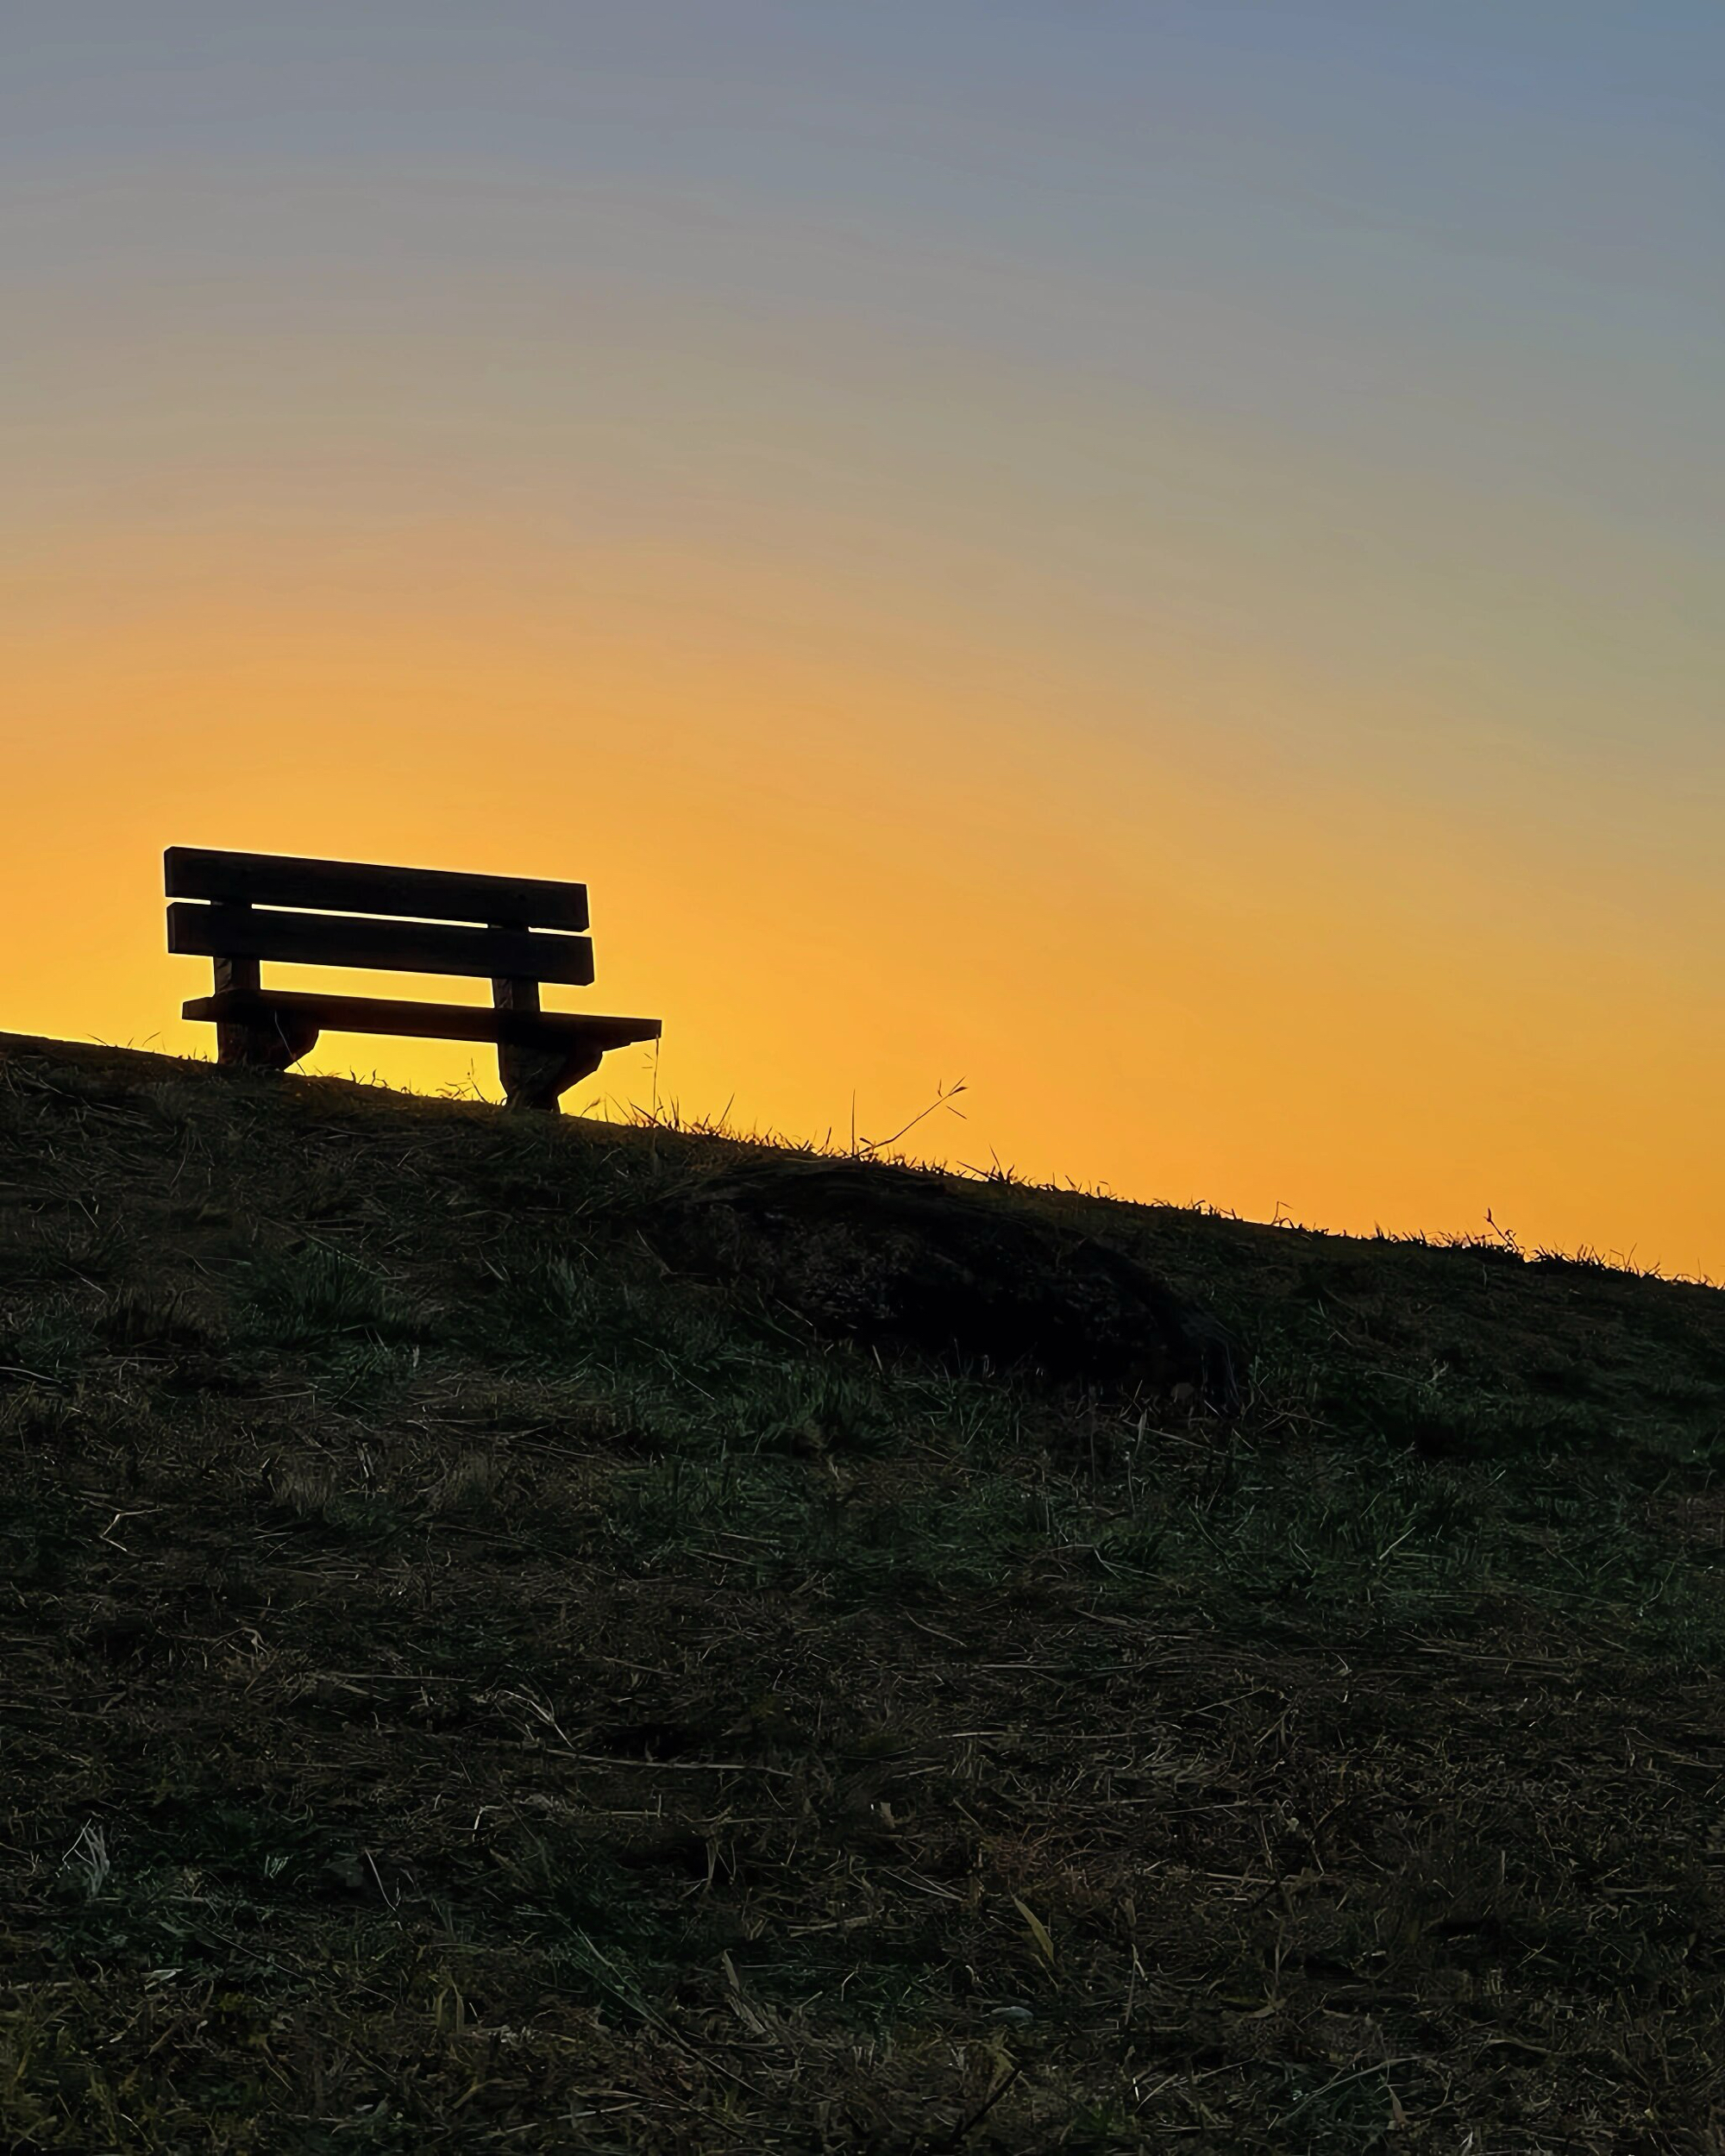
(420, 1021)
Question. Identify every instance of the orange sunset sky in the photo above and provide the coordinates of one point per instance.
(1163, 561)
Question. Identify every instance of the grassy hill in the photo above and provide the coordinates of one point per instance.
(535, 1635)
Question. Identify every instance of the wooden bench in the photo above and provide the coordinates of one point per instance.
(240, 909)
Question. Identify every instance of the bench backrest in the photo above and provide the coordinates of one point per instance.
(278, 906)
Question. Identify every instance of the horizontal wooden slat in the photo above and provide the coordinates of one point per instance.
(331, 939)
(359, 887)
(422, 1021)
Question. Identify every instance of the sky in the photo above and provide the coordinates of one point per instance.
(1158, 558)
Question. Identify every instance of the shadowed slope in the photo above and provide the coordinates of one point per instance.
(593, 1638)
(886, 1256)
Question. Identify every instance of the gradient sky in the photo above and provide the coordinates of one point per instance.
(1161, 557)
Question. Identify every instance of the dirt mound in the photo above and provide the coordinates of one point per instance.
(887, 1256)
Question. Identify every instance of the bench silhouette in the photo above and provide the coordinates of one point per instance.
(240, 909)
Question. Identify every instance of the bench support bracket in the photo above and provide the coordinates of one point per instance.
(272, 1047)
(537, 1077)
(271, 1044)
(534, 1076)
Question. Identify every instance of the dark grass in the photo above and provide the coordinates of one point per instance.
(465, 1686)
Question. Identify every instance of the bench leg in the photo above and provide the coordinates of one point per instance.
(272, 1047)
(536, 1077)
(270, 1043)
